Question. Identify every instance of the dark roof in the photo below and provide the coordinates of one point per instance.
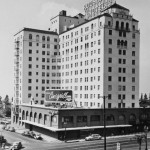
(115, 5)
(135, 20)
(37, 30)
(105, 14)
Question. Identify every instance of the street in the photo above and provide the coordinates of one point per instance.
(32, 144)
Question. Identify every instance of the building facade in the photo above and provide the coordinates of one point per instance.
(35, 70)
(101, 57)
(94, 58)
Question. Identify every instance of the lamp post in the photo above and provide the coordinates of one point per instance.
(146, 131)
(65, 124)
(104, 97)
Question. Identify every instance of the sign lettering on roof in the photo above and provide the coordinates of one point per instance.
(95, 8)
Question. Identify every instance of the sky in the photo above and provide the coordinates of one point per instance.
(16, 14)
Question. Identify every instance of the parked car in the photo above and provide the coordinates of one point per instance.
(38, 137)
(7, 128)
(93, 137)
(12, 129)
(16, 146)
(32, 134)
(26, 133)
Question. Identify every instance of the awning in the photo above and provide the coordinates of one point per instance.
(76, 128)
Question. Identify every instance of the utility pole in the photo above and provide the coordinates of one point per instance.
(104, 98)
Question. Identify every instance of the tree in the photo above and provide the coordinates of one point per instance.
(140, 139)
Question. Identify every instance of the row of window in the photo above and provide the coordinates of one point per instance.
(44, 38)
(43, 45)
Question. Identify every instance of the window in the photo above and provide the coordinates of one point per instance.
(133, 79)
(133, 97)
(29, 88)
(30, 51)
(109, 60)
(29, 80)
(109, 96)
(43, 45)
(109, 105)
(30, 66)
(133, 62)
(110, 32)
(110, 51)
(95, 118)
(133, 71)
(48, 38)
(124, 52)
(133, 105)
(30, 43)
(30, 58)
(30, 36)
(109, 87)
(109, 69)
(133, 44)
(81, 118)
(120, 52)
(133, 53)
(43, 38)
(55, 46)
(133, 35)
(30, 73)
(109, 78)
(133, 88)
(110, 41)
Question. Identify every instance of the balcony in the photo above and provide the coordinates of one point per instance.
(121, 46)
(122, 29)
(16, 53)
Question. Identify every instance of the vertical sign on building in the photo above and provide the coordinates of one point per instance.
(96, 7)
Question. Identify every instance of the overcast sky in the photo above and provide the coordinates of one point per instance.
(16, 14)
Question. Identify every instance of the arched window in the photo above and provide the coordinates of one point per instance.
(127, 26)
(122, 118)
(30, 36)
(27, 114)
(45, 118)
(23, 115)
(122, 25)
(40, 117)
(122, 42)
(92, 26)
(110, 118)
(37, 37)
(48, 38)
(43, 38)
(30, 115)
(132, 117)
(117, 24)
(125, 43)
(35, 116)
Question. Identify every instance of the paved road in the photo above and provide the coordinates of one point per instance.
(32, 144)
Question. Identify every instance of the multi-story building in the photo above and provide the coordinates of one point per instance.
(62, 22)
(97, 56)
(100, 57)
(36, 64)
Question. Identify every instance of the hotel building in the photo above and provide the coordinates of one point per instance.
(34, 67)
(100, 57)
(94, 55)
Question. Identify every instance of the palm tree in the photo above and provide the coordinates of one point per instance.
(140, 139)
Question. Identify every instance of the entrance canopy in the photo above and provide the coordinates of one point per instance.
(76, 128)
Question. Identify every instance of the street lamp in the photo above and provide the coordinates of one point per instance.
(104, 97)
(146, 131)
(65, 124)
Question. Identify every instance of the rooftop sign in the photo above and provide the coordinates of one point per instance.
(95, 8)
(59, 97)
